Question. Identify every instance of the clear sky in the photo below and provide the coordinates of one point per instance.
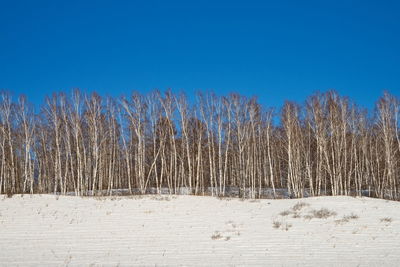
(274, 49)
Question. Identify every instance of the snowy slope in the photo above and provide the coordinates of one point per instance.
(46, 230)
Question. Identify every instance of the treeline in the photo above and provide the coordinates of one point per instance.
(86, 144)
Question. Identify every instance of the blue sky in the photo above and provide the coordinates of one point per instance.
(276, 50)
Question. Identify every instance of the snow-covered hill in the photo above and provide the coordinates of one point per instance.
(48, 230)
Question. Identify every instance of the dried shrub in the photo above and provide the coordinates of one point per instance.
(386, 220)
(320, 214)
(308, 217)
(296, 215)
(216, 236)
(285, 213)
(160, 198)
(295, 210)
(287, 226)
(352, 216)
(299, 206)
(226, 198)
(347, 218)
(276, 224)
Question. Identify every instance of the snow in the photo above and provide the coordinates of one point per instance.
(48, 230)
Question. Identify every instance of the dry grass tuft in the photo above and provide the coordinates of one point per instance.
(299, 206)
(295, 210)
(216, 236)
(320, 214)
(347, 218)
(276, 224)
(352, 216)
(296, 215)
(280, 225)
(287, 226)
(386, 220)
(224, 198)
(160, 198)
(308, 217)
(285, 213)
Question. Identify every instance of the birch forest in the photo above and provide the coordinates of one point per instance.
(85, 144)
